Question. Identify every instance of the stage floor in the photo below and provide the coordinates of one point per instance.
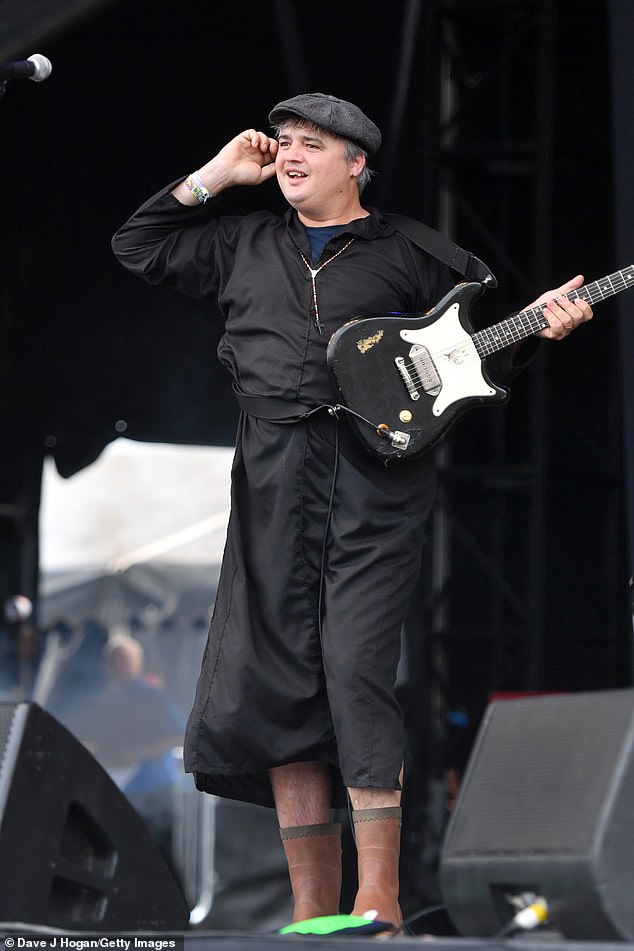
(237, 942)
(24, 937)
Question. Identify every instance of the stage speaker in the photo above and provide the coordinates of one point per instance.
(546, 807)
(74, 854)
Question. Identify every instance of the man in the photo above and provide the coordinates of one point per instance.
(132, 726)
(296, 696)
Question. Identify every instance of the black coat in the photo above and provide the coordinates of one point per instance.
(324, 541)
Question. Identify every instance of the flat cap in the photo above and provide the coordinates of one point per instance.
(334, 115)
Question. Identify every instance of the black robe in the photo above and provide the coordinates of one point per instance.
(324, 541)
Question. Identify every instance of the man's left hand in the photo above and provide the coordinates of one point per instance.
(563, 315)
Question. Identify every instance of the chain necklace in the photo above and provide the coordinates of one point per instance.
(314, 271)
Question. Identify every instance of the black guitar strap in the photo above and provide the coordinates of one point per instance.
(442, 248)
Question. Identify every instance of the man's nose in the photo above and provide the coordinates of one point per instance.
(294, 151)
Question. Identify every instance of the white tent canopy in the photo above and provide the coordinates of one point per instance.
(138, 502)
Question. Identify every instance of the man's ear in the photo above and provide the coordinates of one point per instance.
(357, 165)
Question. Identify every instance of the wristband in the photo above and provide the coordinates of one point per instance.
(197, 188)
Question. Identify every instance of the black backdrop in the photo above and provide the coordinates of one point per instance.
(140, 93)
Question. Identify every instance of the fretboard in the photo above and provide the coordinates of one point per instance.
(531, 321)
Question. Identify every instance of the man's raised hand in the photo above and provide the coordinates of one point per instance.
(248, 159)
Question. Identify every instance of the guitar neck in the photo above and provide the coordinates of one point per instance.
(531, 321)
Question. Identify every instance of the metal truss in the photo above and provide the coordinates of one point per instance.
(490, 617)
(495, 168)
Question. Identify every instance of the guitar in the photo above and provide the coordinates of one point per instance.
(405, 378)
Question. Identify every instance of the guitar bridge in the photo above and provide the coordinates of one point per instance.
(407, 380)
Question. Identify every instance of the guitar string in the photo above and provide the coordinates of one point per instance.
(524, 324)
(533, 319)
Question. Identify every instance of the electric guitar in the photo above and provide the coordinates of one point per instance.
(405, 378)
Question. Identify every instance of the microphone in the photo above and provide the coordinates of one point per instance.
(36, 67)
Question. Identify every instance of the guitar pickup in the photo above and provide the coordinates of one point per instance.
(426, 373)
(421, 373)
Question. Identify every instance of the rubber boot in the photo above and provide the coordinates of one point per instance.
(377, 834)
(313, 854)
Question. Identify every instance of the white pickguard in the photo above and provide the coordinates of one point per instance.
(455, 358)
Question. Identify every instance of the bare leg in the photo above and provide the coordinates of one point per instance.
(374, 798)
(302, 793)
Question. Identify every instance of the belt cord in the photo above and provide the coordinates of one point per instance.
(322, 567)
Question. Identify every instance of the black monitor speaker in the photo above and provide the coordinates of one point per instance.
(74, 854)
(546, 808)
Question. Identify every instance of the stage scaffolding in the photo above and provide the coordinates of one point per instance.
(524, 586)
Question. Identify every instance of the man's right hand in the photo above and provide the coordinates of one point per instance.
(248, 159)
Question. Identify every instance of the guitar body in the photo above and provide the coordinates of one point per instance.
(405, 378)
(412, 375)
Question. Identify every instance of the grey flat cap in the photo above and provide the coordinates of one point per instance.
(334, 115)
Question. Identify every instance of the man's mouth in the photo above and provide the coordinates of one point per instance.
(296, 174)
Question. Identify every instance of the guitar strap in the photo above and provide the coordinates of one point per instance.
(442, 248)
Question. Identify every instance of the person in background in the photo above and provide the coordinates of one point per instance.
(131, 727)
